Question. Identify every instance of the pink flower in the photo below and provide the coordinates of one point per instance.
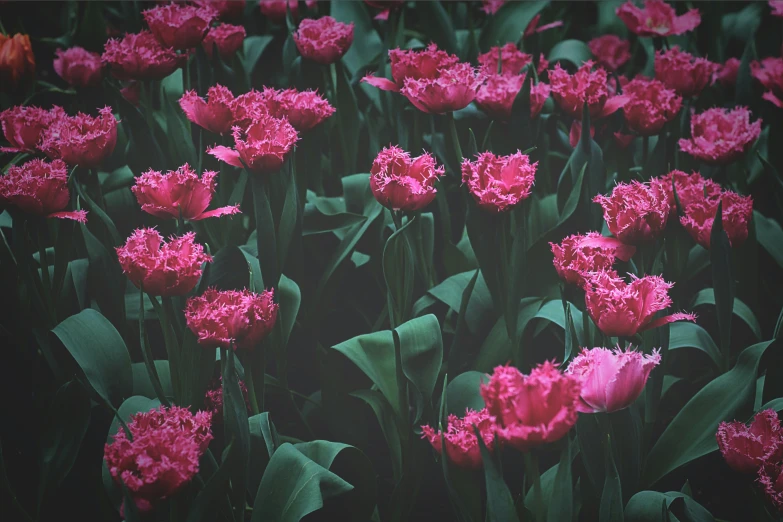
(498, 183)
(385, 5)
(262, 147)
(303, 109)
(179, 193)
(78, 67)
(621, 310)
(727, 73)
(462, 445)
(682, 72)
(538, 96)
(496, 96)
(622, 139)
(575, 133)
(735, 215)
(139, 57)
(251, 106)
(81, 140)
(227, 37)
(179, 26)
(413, 64)
(650, 105)
(238, 318)
(721, 136)
(160, 268)
(275, 10)
(324, 40)
(657, 19)
(777, 8)
(690, 188)
(534, 409)
(226, 9)
(533, 27)
(23, 126)
(611, 51)
(571, 92)
(451, 90)
(770, 477)
(748, 448)
(770, 73)
(400, 182)
(132, 92)
(216, 114)
(39, 188)
(611, 379)
(492, 6)
(577, 255)
(213, 399)
(513, 61)
(163, 455)
(635, 212)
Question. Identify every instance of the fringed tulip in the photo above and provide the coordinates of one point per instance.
(721, 136)
(770, 477)
(39, 188)
(17, 62)
(747, 448)
(571, 92)
(228, 39)
(24, 125)
(610, 51)
(400, 182)
(179, 26)
(650, 105)
(385, 6)
(498, 183)
(78, 67)
(682, 72)
(213, 400)
(635, 212)
(216, 114)
(777, 8)
(727, 73)
(225, 9)
(690, 188)
(736, 212)
(422, 64)
(81, 140)
(140, 57)
(303, 109)
(462, 445)
(657, 18)
(512, 61)
(576, 256)
(451, 90)
(324, 40)
(263, 147)
(770, 73)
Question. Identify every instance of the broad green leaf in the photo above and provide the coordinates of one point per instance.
(253, 47)
(388, 423)
(508, 23)
(214, 490)
(463, 392)
(722, 282)
(141, 379)
(439, 25)
(264, 441)
(552, 311)
(741, 310)
(573, 51)
(421, 350)
(690, 335)
(480, 305)
(290, 299)
(560, 496)
(316, 221)
(770, 236)
(398, 273)
(500, 504)
(367, 45)
(237, 431)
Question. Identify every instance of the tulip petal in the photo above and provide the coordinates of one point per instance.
(614, 104)
(226, 154)
(384, 84)
(222, 211)
(76, 215)
(668, 319)
(621, 250)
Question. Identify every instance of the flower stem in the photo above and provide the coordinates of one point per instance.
(146, 352)
(251, 387)
(455, 139)
(532, 472)
(171, 345)
(645, 150)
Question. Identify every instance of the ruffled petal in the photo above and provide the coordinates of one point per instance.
(226, 154)
(668, 319)
(383, 84)
(614, 104)
(76, 215)
(222, 211)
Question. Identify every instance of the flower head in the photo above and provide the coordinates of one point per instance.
(179, 193)
(747, 448)
(621, 309)
(657, 18)
(534, 409)
(635, 212)
(418, 65)
(770, 73)
(276, 9)
(576, 256)
(262, 147)
(777, 8)
(160, 268)
(79, 67)
(462, 445)
(721, 136)
(216, 114)
(770, 477)
(650, 105)
(226, 9)
(139, 57)
(238, 318)
(498, 183)
(682, 72)
(40, 188)
(611, 379)
(727, 73)
(385, 5)
(228, 39)
(610, 51)
(496, 96)
(81, 140)
(303, 109)
(512, 61)
(736, 212)
(252, 106)
(492, 6)
(23, 126)
(400, 182)
(324, 40)
(213, 399)
(179, 26)
(17, 61)
(163, 455)
(451, 90)
(689, 187)
(571, 92)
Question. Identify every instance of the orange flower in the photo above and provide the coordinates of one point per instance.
(17, 62)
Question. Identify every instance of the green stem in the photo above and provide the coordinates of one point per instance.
(251, 387)
(45, 279)
(171, 346)
(266, 240)
(146, 352)
(347, 160)
(645, 150)
(455, 138)
(532, 472)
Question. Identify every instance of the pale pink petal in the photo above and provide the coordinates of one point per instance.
(382, 83)
(222, 211)
(669, 319)
(226, 154)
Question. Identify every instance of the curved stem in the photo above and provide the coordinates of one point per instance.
(455, 139)
(531, 469)
(146, 352)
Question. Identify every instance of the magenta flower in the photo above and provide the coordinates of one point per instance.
(498, 183)
(576, 256)
(746, 449)
(770, 73)
(610, 51)
(635, 212)
(423, 64)
(462, 446)
(690, 188)
(228, 39)
(81, 140)
(721, 136)
(736, 212)
(179, 26)
(215, 114)
(324, 40)
(78, 67)
(684, 73)
(24, 125)
(140, 57)
(263, 147)
(451, 90)
(400, 182)
(589, 86)
(650, 105)
(657, 18)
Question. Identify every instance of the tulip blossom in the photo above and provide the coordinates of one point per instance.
(736, 212)
(179, 26)
(79, 67)
(610, 51)
(777, 8)
(620, 309)
(385, 5)
(571, 92)
(139, 57)
(727, 73)
(533, 27)
(231, 318)
(770, 477)
(17, 61)
(611, 379)
(635, 212)
(576, 256)
(303, 109)
(213, 400)
(228, 39)
(451, 90)
(252, 106)
(462, 445)
(81, 140)
(512, 61)
(575, 133)
(216, 114)
(423, 64)
(682, 72)
(161, 268)
(24, 125)
(770, 73)
(657, 18)
(400, 182)
(225, 9)
(179, 193)
(492, 6)
(689, 187)
(163, 455)
(498, 183)
(262, 147)
(747, 448)
(496, 96)
(324, 40)
(40, 188)
(650, 105)
(531, 410)
(276, 9)
(721, 136)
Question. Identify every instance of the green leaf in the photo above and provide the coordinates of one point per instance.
(463, 392)
(100, 352)
(318, 222)
(388, 423)
(290, 299)
(508, 23)
(575, 51)
(722, 281)
(770, 236)
(214, 489)
(264, 440)
(690, 335)
(348, 120)
(266, 236)
(253, 47)
(421, 348)
(237, 431)
(741, 310)
(367, 45)
(439, 26)
(398, 271)
(647, 506)
(141, 379)
(500, 504)
(743, 90)
(561, 499)
(691, 434)
(450, 292)
(456, 356)
(552, 311)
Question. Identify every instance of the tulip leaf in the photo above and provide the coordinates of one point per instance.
(770, 236)
(236, 430)
(559, 496)
(398, 272)
(552, 311)
(367, 45)
(500, 504)
(706, 296)
(438, 25)
(573, 51)
(388, 423)
(290, 299)
(450, 292)
(690, 335)
(421, 351)
(508, 23)
(463, 393)
(722, 281)
(253, 47)
(141, 379)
